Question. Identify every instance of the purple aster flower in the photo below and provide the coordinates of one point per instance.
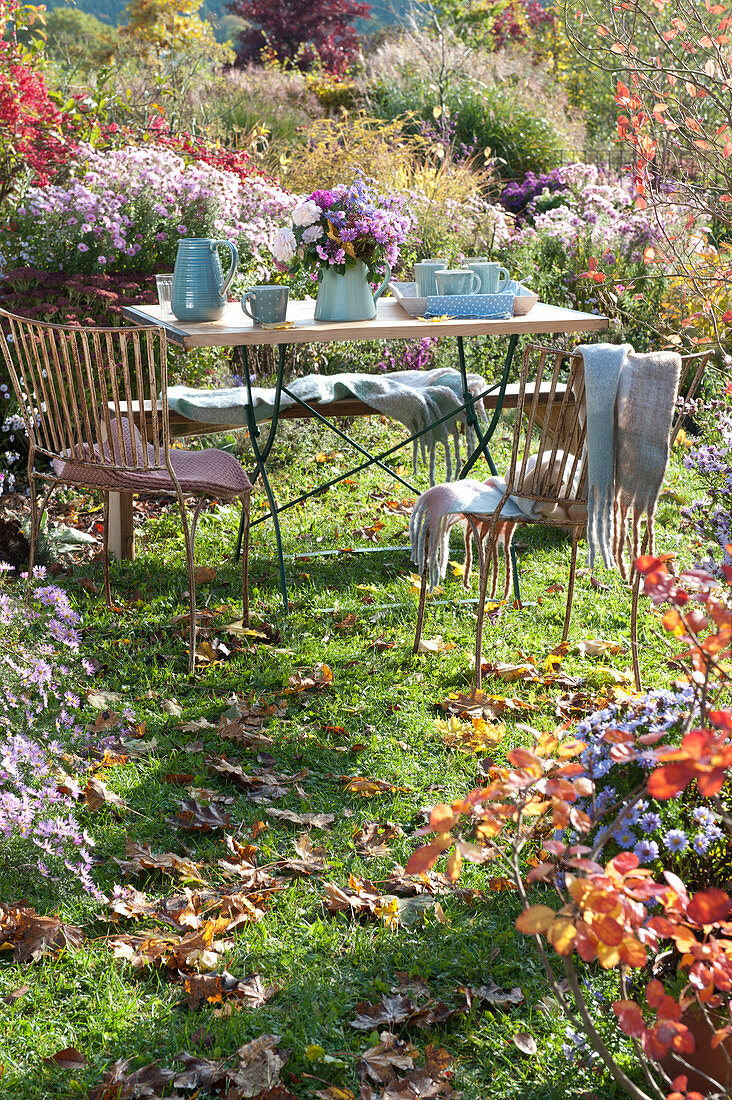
(676, 841)
(646, 850)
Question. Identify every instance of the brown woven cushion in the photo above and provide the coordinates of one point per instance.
(206, 473)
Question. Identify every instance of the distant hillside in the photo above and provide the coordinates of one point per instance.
(113, 11)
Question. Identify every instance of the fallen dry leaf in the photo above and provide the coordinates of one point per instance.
(309, 820)
(259, 1066)
(321, 677)
(435, 645)
(195, 816)
(32, 936)
(593, 647)
(375, 837)
(140, 858)
(215, 988)
(492, 994)
(381, 1061)
(367, 788)
(98, 794)
(480, 704)
(526, 1043)
(470, 735)
(311, 861)
(16, 994)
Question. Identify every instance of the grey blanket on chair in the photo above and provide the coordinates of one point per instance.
(630, 400)
(414, 398)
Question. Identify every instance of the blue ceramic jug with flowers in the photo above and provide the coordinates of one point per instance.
(199, 285)
(347, 296)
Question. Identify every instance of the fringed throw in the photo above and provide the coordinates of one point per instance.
(417, 399)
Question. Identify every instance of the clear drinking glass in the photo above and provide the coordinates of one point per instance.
(165, 288)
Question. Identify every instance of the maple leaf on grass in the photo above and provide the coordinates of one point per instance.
(321, 677)
(118, 1084)
(381, 1061)
(141, 858)
(195, 816)
(32, 935)
(215, 988)
(311, 860)
(309, 820)
(374, 838)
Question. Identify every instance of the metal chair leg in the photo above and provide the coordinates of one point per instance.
(105, 554)
(244, 528)
(422, 599)
(190, 563)
(570, 585)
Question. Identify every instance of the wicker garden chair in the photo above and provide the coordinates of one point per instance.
(82, 394)
(549, 466)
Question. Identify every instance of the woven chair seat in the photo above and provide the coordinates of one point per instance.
(211, 472)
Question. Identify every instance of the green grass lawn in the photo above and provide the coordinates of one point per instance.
(376, 720)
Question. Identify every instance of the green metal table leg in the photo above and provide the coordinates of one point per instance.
(484, 437)
(261, 454)
(373, 460)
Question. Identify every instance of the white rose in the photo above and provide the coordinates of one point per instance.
(283, 246)
(307, 213)
(312, 233)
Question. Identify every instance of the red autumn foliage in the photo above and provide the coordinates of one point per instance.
(619, 915)
(35, 134)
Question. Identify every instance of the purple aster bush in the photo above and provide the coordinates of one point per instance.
(39, 721)
(710, 518)
(684, 833)
(126, 209)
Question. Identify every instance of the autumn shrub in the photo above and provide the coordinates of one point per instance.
(646, 784)
(40, 707)
(709, 518)
(37, 136)
(583, 243)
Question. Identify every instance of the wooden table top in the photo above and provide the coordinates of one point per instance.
(391, 323)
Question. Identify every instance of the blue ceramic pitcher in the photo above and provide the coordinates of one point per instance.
(199, 286)
(347, 297)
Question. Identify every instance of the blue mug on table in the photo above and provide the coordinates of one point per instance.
(424, 276)
(268, 304)
(457, 280)
(494, 278)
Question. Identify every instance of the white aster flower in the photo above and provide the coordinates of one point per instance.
(283, 246)
(307, 213)
(312, 233)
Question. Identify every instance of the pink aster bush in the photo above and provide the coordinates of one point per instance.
(40, 673)
(616, 838)
(126, 209)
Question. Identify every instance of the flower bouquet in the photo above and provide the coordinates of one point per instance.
(352, 237)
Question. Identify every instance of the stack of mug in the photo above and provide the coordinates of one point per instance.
(478, 275)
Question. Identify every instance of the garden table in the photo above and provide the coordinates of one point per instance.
(236, 330)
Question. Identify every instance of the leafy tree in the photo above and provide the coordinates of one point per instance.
(670, 64)
(76, 39)
(169, 25)
(299, 32)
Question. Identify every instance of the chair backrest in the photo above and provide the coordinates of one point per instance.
(549, 456)
(692, 372)
(82, 391)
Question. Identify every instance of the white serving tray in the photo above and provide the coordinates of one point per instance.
(488, 304)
